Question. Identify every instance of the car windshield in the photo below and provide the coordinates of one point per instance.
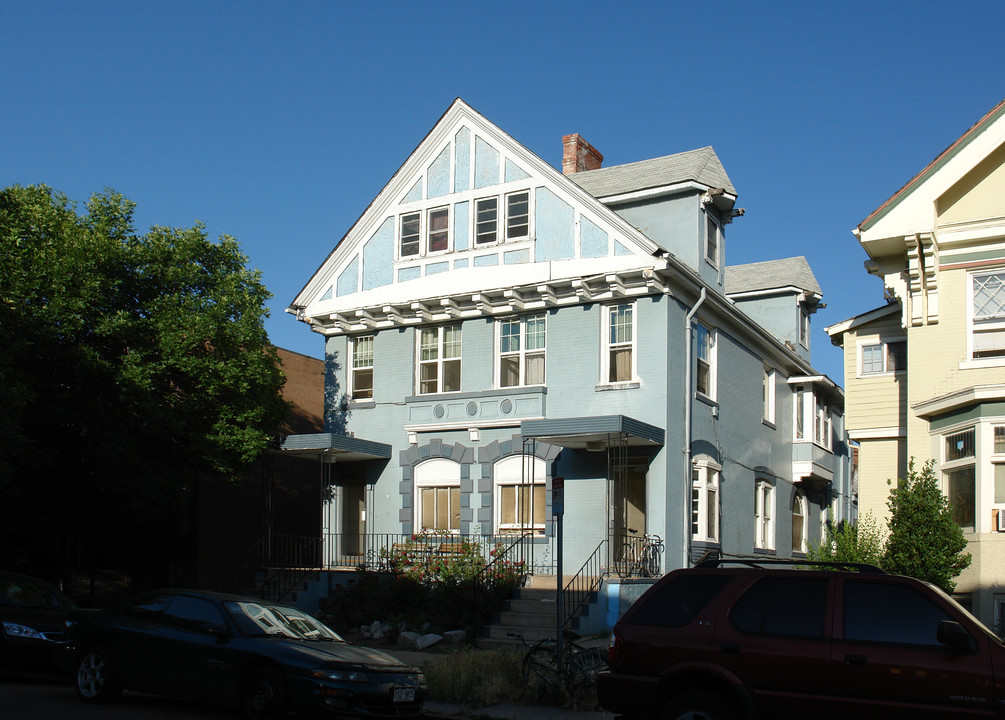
(28, 592)
(265, 619)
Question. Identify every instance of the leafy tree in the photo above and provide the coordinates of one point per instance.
(924, 542)
(131, 363)
(860, 542)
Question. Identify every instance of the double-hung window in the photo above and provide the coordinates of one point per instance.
(518, 215)
(705, 381)
(960, 476)
(804, 327)
(520, 494)
(362, 368)
(764, 515)
(486, 221)
(438, 230)
(711, 240)
(619, 357)
(522, 343)
(988, 313)
(408, 234)
(799, 524)
(884, 357)
(440, 359)
(438, 495)
(705, 503)
(768, 395)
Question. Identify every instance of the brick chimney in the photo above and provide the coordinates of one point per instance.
(578, 155)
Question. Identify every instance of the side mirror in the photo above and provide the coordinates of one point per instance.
(951, 634)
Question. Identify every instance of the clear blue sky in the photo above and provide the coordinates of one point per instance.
(278, 123)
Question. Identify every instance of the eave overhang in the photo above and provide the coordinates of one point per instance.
(958, 399)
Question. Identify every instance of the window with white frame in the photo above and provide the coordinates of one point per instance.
(800, 513)
(883, 357)
(518, 215)
(988, 314)
(822, 428)
(804, 326)
(438, 495)
(764, 515)
(705, 502)
(998, 463)
(520, 501)
(711, 240)
(439, 359)
(705, 349)
(361, 387)
(619, 353)
(486, 221)
(959, 473)
(408, 235)
(768, 395)
(811, 416)
(522, 345)
(438, 230)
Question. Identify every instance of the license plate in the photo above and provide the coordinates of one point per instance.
(404, 695)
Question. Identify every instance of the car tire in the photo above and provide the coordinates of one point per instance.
(698, 706)
(265, 695)
(95, 680)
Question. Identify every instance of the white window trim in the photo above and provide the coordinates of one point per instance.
(764, 489)
(884, 344)
(805, 327)
(440, 359)
(353, 367)
(502, 218)
(436, 472)
(971, 361)
(605, 359)
(707, 484)
(810, 394)
(799, 498)
(711, 220)
(522, 352)
(769, 388)
(508, 472)
(713, 361)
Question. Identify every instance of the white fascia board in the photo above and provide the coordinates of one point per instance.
(867, 317)
(650, 193)
(915, 211)
(958, 399)
(878, 433)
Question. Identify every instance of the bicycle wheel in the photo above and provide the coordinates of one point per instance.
(583, 665)
(540, 672)
(625, 565)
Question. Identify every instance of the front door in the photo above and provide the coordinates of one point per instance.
(628, 503)
(353, 518)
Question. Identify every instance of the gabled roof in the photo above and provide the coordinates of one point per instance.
(941, 161)
(839, 328)
(701, 166)
(771, 275)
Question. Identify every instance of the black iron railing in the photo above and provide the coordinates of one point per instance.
(579, 591)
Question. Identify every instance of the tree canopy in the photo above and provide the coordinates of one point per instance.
(131, 362)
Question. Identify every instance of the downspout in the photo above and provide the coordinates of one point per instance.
(689, 394)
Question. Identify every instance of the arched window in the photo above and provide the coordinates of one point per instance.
(520, 504)
(438, 495)
(799, 513)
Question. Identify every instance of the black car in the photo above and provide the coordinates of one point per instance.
(233, 650)
(32, 619)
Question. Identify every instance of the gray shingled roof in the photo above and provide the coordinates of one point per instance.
(701, 165)
(771, 274)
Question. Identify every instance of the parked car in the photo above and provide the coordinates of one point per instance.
(32, 620)
(232, 650)
(727, 639)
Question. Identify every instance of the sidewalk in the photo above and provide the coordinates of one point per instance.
(505, 711)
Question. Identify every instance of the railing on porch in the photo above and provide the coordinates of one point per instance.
(375, 551)
(504, 561)
(288, 560)
(579, 590)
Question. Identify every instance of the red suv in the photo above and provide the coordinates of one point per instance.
(731, 639)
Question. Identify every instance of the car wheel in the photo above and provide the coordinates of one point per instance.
(265, 694)
(698, 706)
(96, 677)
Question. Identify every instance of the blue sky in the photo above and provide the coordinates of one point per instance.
(278, 123)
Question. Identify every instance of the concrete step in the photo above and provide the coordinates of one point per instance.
(532, 619)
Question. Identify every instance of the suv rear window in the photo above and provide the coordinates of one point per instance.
(678, 601)
(783, 606)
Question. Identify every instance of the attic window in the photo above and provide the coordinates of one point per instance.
(517, 215)
(486, 220)
(711, 240)
(409, 235)
(439, 238)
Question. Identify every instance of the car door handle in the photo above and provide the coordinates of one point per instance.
(854, 659)
(731, 649)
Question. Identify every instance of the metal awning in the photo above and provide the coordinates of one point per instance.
(338, 448)
(593, 433)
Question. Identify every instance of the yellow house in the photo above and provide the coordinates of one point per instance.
(925, 373)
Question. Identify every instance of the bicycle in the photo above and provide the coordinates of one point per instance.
(542, 676)
(643, 561)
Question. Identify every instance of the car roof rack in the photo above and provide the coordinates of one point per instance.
(864, 568)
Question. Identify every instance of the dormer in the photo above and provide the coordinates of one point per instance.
(779, 295)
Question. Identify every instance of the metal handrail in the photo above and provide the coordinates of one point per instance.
(576, 594)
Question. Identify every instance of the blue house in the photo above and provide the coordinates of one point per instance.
(496, 329)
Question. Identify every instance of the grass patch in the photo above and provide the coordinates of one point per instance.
(476, 678)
